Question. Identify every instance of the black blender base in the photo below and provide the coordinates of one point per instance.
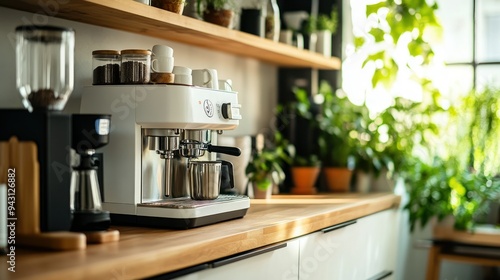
(175, 223)
(90, 221)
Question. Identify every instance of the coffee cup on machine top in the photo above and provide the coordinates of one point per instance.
(182, 75)
(163, 59)
(206, 78)
(226, 85)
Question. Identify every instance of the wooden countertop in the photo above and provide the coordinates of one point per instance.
(144, 252)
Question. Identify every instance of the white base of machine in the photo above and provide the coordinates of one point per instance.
(186, 208)
(186, 213)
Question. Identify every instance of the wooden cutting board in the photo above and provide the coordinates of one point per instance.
(22, 158)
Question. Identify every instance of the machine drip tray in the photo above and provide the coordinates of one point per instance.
(186, 213)
(188, 203)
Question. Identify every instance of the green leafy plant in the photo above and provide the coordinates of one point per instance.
(471, 195)
(391, 137)
(442, 188)
(338, 118)
(299, 109)
(305, 161)
(321, 22)
(394, 21)
(463, 181)
(479, 114)
(265, 167)
(328, 22)
(458, 181)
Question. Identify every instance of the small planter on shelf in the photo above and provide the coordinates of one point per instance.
(174, 6)
(319, 31)
(218, 12)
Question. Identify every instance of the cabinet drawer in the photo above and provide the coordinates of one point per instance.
(278, 262)
(332, 253)
(361, 249)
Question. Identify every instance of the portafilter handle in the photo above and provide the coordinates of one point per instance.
(233, 151)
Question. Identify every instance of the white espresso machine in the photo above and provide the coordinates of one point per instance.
(156, 131)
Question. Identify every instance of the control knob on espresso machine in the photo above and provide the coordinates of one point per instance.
(231, 111)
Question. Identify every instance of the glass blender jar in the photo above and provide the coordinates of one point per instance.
(44, 66)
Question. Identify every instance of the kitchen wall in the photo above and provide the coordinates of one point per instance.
(255, 81)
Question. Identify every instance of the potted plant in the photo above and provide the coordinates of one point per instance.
(305, 164)
(336, 140)
(319, 30)
(216, 11)
(387, 139)
(305, 172)
(464, 181)
(265, 168)
(175, 6)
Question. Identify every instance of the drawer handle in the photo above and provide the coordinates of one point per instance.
(247, 255)
(381, 275)
(179, 273)
(339, 226)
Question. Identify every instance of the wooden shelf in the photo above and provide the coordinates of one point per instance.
(146, 20)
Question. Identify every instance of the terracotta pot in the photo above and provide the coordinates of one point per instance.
(219, 17)
(304, 179)
(338, 179)
(174, 6)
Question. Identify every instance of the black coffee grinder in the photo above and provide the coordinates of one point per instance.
(89, 132)
(44, 78)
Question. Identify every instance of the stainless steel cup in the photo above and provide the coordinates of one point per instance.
(204, 179)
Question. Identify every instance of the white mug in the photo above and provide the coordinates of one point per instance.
(183, 79)
(181, 70)
(215, 79)
(206, 78)
(226, 85)
(162, 50)
(162, 64)
(182, 75)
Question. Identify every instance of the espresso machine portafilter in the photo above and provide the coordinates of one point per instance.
(190, 144)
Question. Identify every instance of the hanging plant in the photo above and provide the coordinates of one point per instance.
(395, 24)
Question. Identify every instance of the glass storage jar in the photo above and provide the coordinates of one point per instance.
(136, 66)
(106, 67)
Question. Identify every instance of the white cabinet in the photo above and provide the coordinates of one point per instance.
(380, 233)
(359, 249)
(271, 263)
(333, 253)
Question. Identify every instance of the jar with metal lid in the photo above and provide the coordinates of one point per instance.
(106, 65)
(136, 66)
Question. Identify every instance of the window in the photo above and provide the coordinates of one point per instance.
(471, 42)
(468, 54)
